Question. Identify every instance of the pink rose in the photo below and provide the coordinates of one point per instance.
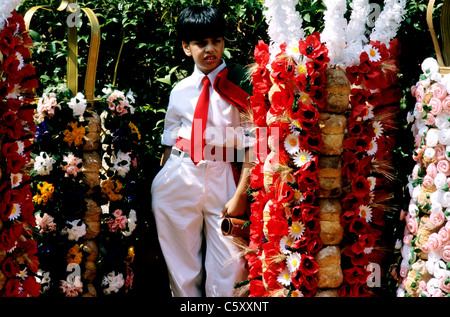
(428, 181)
(412, 224)
(431, 170)
(444, 234)
(440, 152)
(418, 107)
(440, 91)
(425, 247)
(444, 284)
(407, 239)
(423, 286)
(404, 268)
(445, 253)
(413, 90)
(436, 106)
(420, 93)
(430, 119)
(446, 103)
(437, 293)
(437, 218)
(434, 241)
(443, 166)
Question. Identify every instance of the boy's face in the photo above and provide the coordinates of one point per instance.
(207, 53)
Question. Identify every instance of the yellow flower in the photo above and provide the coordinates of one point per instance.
(74, 134)
(74, 255)
(112, 188)
(45, 193)
(134, 129)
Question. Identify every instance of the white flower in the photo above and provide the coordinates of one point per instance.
(430, 66)
(432, 285)
(432, 137)
(15, 212)
(43, 164)
(440, 180)
(121, 163)
(429, 153)
(374, 54)
(296, 229)
(16, 179)
(445, 199)
(365, 212)
(413, 210)
(291, 144)
(284, 278)
(334, 32)
(441, 120)
(444, 136)
(76, 231)
(373, 147)
(388, 22)
(378, 127)
(285, 244)
(78, 104)
(302, 157)
(114, 282)
(71, 165)
(355, 32)
(131, 223)
(293, 261)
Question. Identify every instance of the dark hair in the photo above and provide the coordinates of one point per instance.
(198, 22)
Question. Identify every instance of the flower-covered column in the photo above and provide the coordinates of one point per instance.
(120, 142)
(19, 264)
(424, 268)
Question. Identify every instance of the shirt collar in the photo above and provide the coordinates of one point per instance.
(198, 74)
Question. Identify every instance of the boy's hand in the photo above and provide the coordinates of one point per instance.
(236, 207)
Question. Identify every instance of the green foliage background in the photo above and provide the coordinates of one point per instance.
(152, 61)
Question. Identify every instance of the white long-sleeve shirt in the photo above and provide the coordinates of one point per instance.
(224, 126)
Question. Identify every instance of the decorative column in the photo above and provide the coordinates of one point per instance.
(332, 124)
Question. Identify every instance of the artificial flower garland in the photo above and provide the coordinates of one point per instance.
(284, 212)
(287, 78)
(424, 270)
(367, 164)
(60, 191)
(120, 142)
(18, 261)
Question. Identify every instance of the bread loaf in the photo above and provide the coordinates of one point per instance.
(330, 273)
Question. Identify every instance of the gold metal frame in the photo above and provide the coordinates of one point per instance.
(72, 49)
(442, 56)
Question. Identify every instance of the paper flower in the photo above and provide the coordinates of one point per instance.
(78, 104)
(43, 163)
(113, 281)
(76, 231)
(71, 165)
(293, 261)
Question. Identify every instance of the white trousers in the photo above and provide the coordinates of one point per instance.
(187, 201)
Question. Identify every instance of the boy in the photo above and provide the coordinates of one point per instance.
(196, 187)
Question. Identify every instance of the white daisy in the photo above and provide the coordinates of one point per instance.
(16, 179)
(302, 157)
(378, 129)
(373, 148)
(365, 212)
(369, 112)
(284, 278)
(295, 127)
(15, 212)
(293, 261)
(296, 229)
(374, 54)
(285, 244)
(372, 182)
(291, 144)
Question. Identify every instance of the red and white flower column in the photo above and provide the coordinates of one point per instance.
(18, 261)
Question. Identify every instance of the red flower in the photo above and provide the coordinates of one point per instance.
(10, 267)
(351, 165)
(261, 52)
(307, 115)
(9, 236)
(357, 259)
(281, 100)
(308, 266)
(283, 70)
(13, 289)
(31, 286)
(356, 275)
(314, 49)
(358, 226)
(257, 288)
(364, 241)
(361, 186)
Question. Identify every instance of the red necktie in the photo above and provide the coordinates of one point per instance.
(199, 123)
